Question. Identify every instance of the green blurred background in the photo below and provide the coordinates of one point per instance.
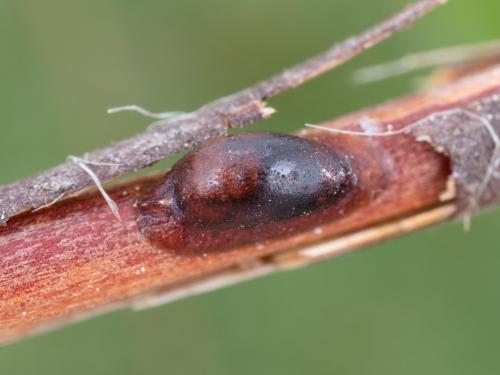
(423, 304)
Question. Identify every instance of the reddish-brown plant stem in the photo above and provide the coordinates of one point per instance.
(74, 259)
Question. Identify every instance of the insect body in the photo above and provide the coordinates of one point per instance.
(243, 188)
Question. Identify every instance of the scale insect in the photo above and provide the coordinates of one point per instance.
(236, 189)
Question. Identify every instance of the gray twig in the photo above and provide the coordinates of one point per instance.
(183, 131)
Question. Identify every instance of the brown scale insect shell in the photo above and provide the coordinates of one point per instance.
(249, 187)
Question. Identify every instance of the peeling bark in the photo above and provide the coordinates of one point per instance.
(469, 136)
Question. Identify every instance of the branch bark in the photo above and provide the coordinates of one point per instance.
(235, 111)
(74, 260)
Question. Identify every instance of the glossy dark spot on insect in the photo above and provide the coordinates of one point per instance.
(244, 188)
